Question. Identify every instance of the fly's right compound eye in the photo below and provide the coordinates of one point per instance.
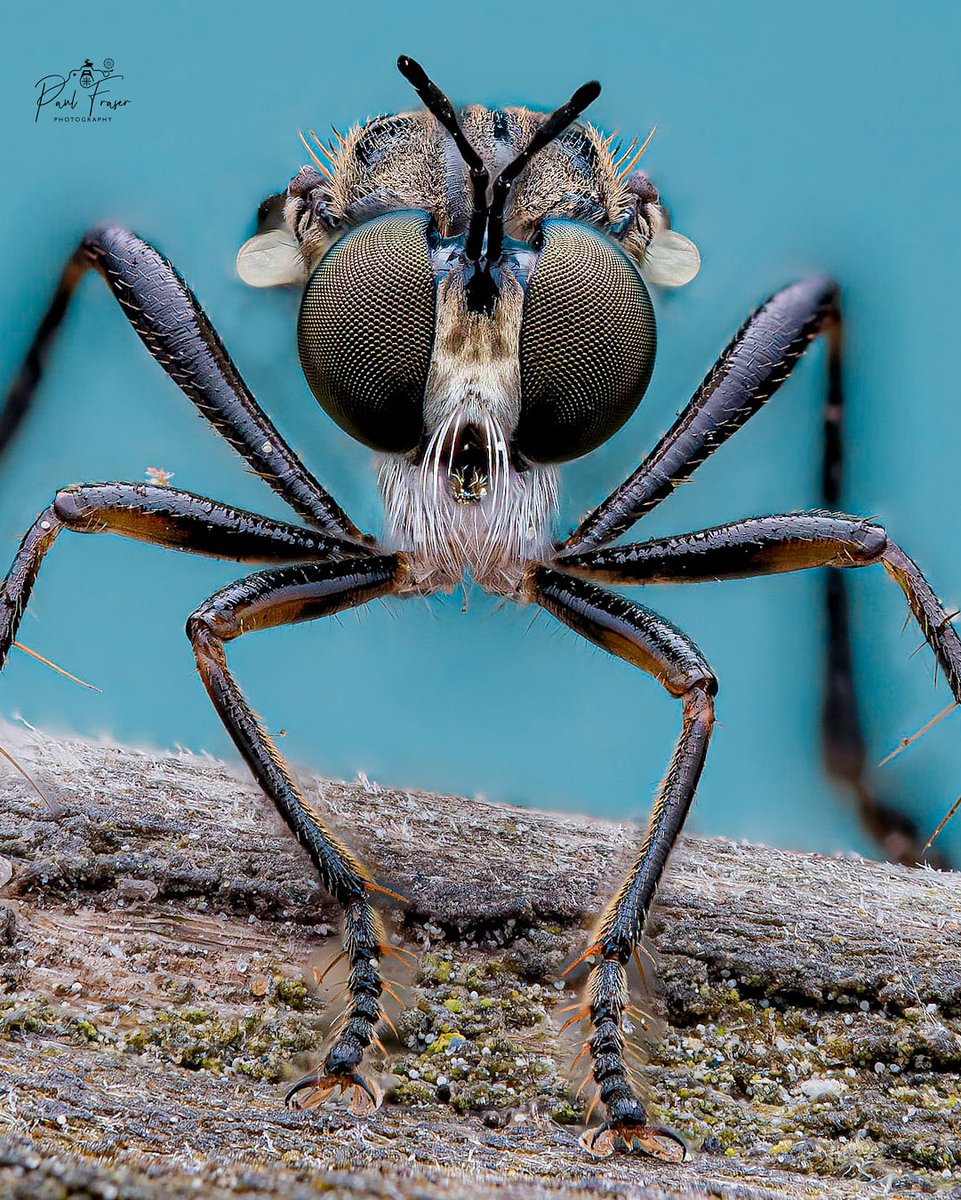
(366, 330)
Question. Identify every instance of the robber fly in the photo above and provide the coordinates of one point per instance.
(476, 311)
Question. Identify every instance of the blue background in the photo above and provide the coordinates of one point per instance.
(821, 136)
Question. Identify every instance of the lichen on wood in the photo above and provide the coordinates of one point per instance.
(161, 936)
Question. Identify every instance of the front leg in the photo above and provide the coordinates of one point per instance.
(264, 601)
(648, 641)
(758, 360)
(171, 324)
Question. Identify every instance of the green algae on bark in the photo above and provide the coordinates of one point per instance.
(160, 940)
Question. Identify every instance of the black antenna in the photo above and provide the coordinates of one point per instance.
(482, 287)
(552, 127)
(439, 106)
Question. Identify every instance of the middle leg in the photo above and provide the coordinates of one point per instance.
(264, 601)
(647, 641)
(770, 546)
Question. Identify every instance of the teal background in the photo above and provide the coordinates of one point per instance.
(816, 136)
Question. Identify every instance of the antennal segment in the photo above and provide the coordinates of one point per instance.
(482, 289)
(552, 127)
(440, 107)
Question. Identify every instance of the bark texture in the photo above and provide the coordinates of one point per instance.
(161, 936)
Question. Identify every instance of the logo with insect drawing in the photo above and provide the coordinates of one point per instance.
(86, 95)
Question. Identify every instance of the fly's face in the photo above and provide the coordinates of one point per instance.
(474, 333)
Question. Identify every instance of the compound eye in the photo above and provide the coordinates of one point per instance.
(587, 344)
(366, 330)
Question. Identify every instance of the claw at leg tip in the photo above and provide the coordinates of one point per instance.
(653, 1141)
(315, 1090)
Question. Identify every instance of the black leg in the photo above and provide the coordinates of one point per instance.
(263, 601)
(164, 517)
(755, 364)
(766, 546)
(174, 328)
(657, 647)
(842, 736)
(759, 359)
(843, 745)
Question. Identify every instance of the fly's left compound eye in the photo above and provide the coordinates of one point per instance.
(587, 344)
(366, 330)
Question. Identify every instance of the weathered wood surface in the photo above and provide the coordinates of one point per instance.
(156, 922)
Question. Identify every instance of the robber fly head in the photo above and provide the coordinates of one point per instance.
(475, 303)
